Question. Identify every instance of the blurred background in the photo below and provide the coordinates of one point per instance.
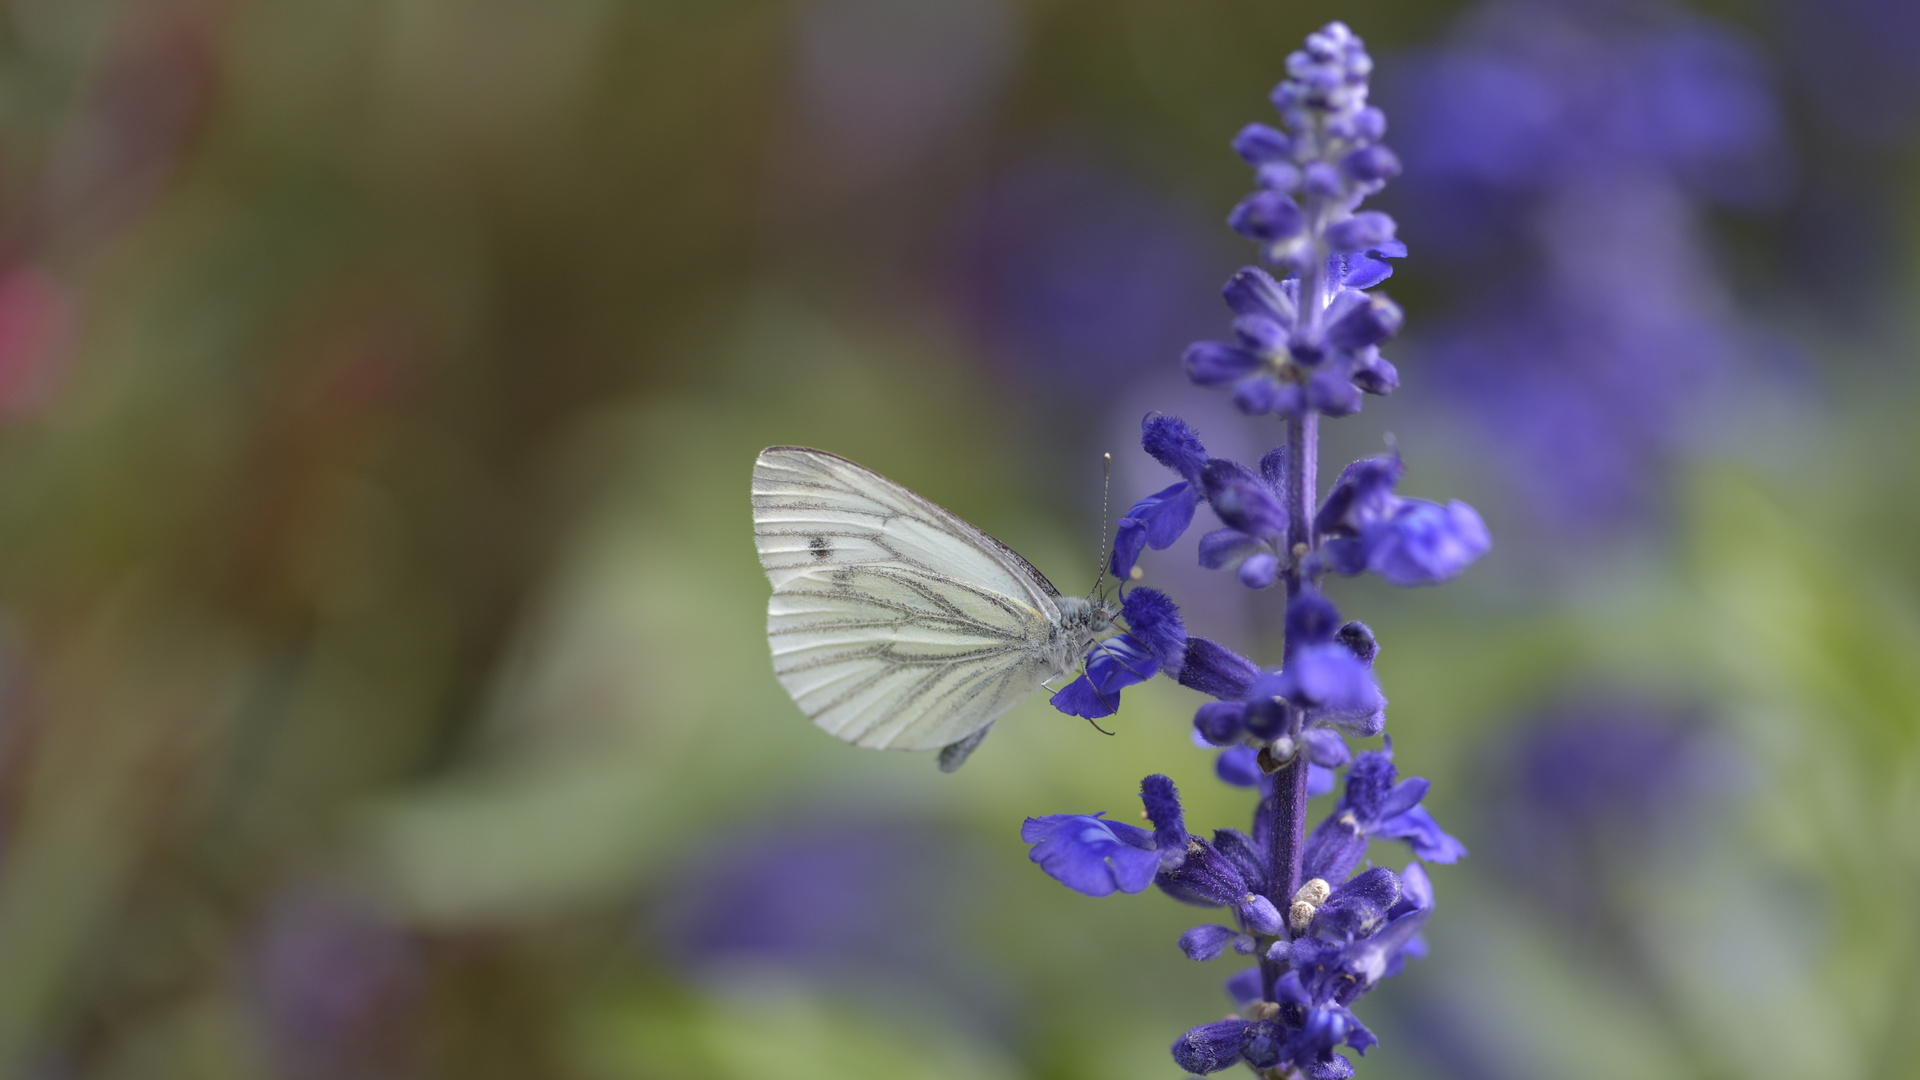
(383, 682)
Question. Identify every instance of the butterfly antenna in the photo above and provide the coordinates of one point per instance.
(1100, 568)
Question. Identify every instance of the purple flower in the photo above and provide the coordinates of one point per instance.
(1276, 365)
(1360, 934)
(1161, 518)
(1406, 541)
(1327, 682)
(1374, 806)
(1156, 522)
(1208, 942)
(1248, 503)
(1113, 664)
(1305, 218)
(1090, 855)
(1305, 344)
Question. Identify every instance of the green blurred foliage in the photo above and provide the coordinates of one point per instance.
(381, 521)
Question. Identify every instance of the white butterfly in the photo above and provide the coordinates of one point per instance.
(894, 623)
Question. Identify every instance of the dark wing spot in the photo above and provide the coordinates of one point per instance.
(822, 551)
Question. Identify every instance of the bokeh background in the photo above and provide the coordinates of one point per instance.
(383, 686)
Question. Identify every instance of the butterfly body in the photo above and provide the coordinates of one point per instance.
(894, 623)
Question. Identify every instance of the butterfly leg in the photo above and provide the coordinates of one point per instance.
(1111, 655)
(1111, 707)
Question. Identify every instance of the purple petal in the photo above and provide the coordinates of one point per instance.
(1217, 671)
(1091, 856)
(1319, 780)
(1206, 877)
(1078, 698)
(1210, 1048)
(1330, 681)
(1207, 942)
(1271, 215)
(1258, 144)
(1162, 801)
(1242, 500)
(1362, 496)
(1129, 540)
(1325, 747)
(1239, 766)
(1154, 620)
(1423, 835)
(1260, 570)
(1375, 375)
(1253, 291)
(1368, 323)
(1265, 336)
(1371, 164)
(1217, 363)
(1220, 722)
(1368, 229)
(1367, 958)
(1169, 441)
(1112, 665)
(1244, 987)
(1259, 915)
(1416, 891)
(1331, 393)
(1167, 520)
(1425, 543)
(1258, 395)
(1311, 619)
(1405, 796)
(1222, 546)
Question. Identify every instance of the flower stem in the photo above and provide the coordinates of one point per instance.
(1303, 462)
(1285, 811)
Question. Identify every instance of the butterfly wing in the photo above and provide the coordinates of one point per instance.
(894, 624)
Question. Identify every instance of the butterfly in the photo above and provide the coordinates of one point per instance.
(894, 623)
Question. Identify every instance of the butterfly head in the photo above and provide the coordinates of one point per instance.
(1083, 620)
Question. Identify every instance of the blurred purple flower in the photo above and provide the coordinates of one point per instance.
(337, 984)
(1587, 792)
(1562, 155)
(840, 902)
(1078, 278)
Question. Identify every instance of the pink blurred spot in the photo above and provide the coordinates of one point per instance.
(38, 317)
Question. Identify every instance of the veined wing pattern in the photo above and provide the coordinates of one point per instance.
(894, 623)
